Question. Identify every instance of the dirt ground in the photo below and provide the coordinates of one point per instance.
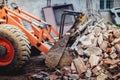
(35, 66)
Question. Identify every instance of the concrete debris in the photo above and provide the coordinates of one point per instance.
(85, 41)
(94, 60)
(117, 47)
(100, 39)
(93, 50)
(97, 30)
(117, 33)
(80, 50)
(80, 65)
(104, 45)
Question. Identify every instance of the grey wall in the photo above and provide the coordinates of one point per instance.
(116, 3)
(34, 6)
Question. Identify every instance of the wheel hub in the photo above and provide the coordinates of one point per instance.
(3, 51)
(6, 52)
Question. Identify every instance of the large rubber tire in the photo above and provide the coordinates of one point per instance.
(20, 44)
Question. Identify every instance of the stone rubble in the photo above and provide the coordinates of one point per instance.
(98, 56)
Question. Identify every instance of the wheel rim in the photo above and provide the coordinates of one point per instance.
(9, 54)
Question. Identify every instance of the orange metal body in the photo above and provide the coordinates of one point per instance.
(38, 35)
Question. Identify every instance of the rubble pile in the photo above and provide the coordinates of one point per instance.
(99, 53)
(98, 57)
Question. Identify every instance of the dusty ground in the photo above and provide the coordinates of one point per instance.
(35, 66)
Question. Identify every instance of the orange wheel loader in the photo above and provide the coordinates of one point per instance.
(16, 40)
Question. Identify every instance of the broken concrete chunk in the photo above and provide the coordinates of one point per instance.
(84, 37)
(104, 30)
(113, 49)
(88, 40)
(100, 39)
(94, 60)
(93, 50)
(85, 41)
(103, 25)
(97, 30)
(94, 41)
(79, 50)
(105, 36)
(90, 28)
(80, 65)
(116, 33)
(91, 36)
(117, 47)
(104, 45)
